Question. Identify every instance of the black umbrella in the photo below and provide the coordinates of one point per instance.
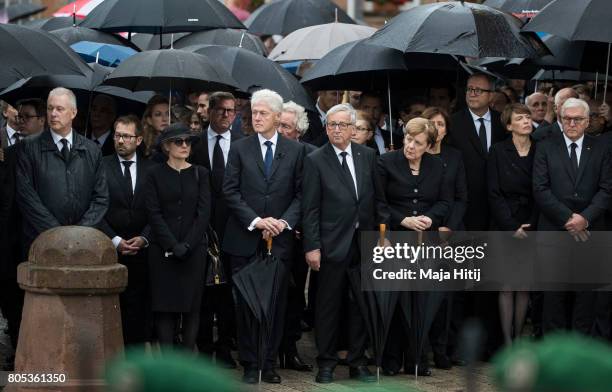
(259, 284)
(160, 16)
(54, 23)
(29, 52)
(23, 10)
(461, 29)
(74, 34)
(285, 16)
(570, 76)
(146, 41)
(253, 72)
(522, 9)
(226, 37)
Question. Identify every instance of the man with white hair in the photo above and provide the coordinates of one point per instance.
(293, 121)
(262, 187)
(342, 197)
(538, 106)
(572, 184)
(60, 179)
(556, 128)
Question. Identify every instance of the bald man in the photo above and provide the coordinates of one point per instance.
(556, 128)
(538, 105)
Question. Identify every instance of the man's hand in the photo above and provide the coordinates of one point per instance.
(414, 223)
(274, 226)
(138, 242)
(425, 220)
(576, 224)
(604, 111)
(127, 249)
(520, 233)
(313, 259)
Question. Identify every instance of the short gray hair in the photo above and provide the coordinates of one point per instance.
(64, 91)
(558, 95)
(270, 98)
(301, 118)
(343, 107)
(531, 96)
(576, 103)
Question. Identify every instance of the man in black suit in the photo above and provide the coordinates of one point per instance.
(101, 119)
(125, 223)
(342, 196)
(556, 128)
(262, 186)
(9, 133)
(316, 132)
(372, 104)
(212, 151)
(572, 185)
(538, 105)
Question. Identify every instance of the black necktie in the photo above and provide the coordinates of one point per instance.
(65, 150)
(482, 134)
(268, 159)
(218, 165)
(346, 169)
(16, 137)
(574, 158)
(127, 174)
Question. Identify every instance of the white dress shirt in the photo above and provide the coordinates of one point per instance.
(226, 138)
(57, 140)
(10, 133)
(380, 141)
(487, 124)
(349, 162)
(101, 139)
(322, 114)
(568, 144)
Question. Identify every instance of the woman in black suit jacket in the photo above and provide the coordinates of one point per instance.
(178, 203)
(509, 173)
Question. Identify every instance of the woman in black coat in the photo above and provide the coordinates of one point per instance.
(178, 202)
(509, 172)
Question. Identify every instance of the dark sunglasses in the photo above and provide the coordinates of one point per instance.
(179, 142)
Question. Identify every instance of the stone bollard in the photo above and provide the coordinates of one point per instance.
(71, 323)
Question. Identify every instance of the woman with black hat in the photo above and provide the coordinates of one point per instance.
(178, 202)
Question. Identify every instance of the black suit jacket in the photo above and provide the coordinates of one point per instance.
(457, 184)
(330, 207)
(11, 244)
(464, 137)
(108, 148)
(543, 132)
(126, 218)
(409, 195)
(558, 194)
(315, 134)
(248, 194)
(510, 187)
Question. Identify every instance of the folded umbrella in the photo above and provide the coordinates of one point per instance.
(105, 54)
(226, 37)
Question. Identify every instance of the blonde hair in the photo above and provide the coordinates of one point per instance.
(149, 134)
(420, 125)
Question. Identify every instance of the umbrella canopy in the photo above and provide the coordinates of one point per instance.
(72, 35)
(226, 37)
(23, 10)
(30, 53)
(146, 41)
(54, 23)
(105, 54)
(78, 8)
(160, 16)
(570, 76)
(457, 28)
(253, 72)
(522, 9)
(283, 17)
(314, 42)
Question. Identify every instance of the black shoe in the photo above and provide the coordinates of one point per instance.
(325, 375)
(294, 362)
(224, 359)
(270, 376)
(456, 361)
(424, 370)
(442, 362)
(251, 376)
(362, 373)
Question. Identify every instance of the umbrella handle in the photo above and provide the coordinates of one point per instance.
(382, 228)
(269, 245)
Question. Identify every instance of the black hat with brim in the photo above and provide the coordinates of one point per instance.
(176, 131)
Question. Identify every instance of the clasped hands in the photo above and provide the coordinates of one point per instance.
(131, 246)
(577, 227)
(270, 227)
(417, 223)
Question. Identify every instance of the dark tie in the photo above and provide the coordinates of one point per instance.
(127, 174)
(574, 158)
(482, 134)
(16, 137)
(65, 150)
(218, 165)
(98, 142)
(268, 159)
(346, 169)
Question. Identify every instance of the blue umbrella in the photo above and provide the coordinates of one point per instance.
(105, 54)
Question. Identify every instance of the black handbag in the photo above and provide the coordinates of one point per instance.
(215, 273)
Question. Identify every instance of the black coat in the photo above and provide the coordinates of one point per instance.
(464, 137)
(543, 132)
(179, 210)
(108, 148)
(410, 195)
(249, 195)
(330, 207)
(11, 246)
(510, 187)
(52, 193)
(558, 194)
(456, 184)
(316, 131)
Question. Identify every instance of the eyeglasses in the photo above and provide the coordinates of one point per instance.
(476, 91)
(285, 127)
(575, 120)
(363, 129)
(333, 125)
(21, 117)
(223, 111)
(127, 138)
(179, 142)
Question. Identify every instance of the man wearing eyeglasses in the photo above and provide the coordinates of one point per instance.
(9, 134)
(572, 184)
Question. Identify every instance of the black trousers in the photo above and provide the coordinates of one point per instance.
(333, 281)
(247, 326)
(440, 328)
(575, 310)
(296, 302)
(11, 295)
(135, 300)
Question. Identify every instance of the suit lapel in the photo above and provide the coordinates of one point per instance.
(585, 154)
(334, 163)
(257, 153)
(279, 153)
(359, 168)
(565, 158)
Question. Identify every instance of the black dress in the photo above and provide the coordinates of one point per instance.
(178, 204)
(456, 184)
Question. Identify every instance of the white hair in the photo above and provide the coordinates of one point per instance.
(558, 95)
(268, 97)
(576, 103)
(343, 107)
(64, 91)
(301, 118)
(530, 97)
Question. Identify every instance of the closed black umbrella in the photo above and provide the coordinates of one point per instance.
(226, 37)
(522, 9)
(23, 10)
(53, 23)
(253, 72)
(160, 16)
(285, 16)
(461, 29)
(72, 35)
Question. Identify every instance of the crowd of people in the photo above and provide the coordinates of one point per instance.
(188, 195)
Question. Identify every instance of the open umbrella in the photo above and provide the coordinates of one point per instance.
(73, 34)
(522, 9)
(283, 17)
(105, 54)
(253, 72)
(78, 8)
(146, 41)
(258, 283)
(54, 23)
(227, 37)
(461, 29)
(314, 42)
(23, 10)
